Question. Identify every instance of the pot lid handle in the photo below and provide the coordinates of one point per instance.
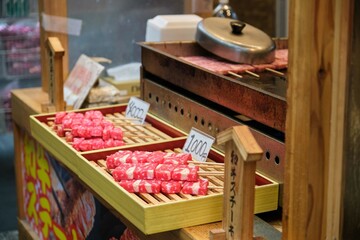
(237, 27)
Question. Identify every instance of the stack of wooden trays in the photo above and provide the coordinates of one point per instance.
(150, 213)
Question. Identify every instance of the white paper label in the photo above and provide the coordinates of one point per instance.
(198, 144)
(137, 109)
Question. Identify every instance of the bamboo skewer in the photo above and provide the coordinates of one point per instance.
(252, 74)
(215, 187)
(127, 124)
(210, 173)
(235, 74)
(207, 163)
(140, 136)
(209, 166)
(125, 131)
(274, 71)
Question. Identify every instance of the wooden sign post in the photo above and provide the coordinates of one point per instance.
(241, 154)
(56, 78)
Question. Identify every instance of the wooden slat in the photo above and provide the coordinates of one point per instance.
(162, 198)
(148, 198)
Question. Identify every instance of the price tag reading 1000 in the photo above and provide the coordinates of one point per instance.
(137, 109)
(198, 144)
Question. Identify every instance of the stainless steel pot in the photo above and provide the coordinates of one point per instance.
(235, 41)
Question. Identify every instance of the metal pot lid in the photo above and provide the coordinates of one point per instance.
(235, 41)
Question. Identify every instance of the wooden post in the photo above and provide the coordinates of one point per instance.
(317, 82)
(241, 154)
(52, 8)
(56, 83)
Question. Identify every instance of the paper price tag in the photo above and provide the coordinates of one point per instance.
(198, 144)
(137, 109)
(80, 81)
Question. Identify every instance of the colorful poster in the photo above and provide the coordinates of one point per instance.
(56, 205)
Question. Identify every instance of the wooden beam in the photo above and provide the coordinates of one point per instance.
(311, 52)
(52, 8)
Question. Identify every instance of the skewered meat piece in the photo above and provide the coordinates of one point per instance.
(196, 188)
(141, 186)
(82, 144)
(124, 172)
(171, 186)
(156, 157)
(185, 173)
(163, 172)
(130, 171)
(114, 160)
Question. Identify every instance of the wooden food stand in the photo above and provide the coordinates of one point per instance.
(321, 133)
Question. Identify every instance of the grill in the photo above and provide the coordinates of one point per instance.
(189, 96)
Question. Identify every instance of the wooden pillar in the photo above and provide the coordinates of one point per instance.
(52, 8)
(315, 117)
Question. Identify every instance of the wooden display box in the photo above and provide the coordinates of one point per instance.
(152, 130)
(154, 213)
(150, 213)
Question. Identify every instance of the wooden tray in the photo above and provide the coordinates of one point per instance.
(154, 213)
(153, 130)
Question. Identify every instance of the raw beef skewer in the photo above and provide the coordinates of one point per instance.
(141, 186)
(196, 188)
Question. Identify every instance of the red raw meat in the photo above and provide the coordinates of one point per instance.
(171, 186)
(145, 171)
(141, 186)
(116, 133)
(139, 157)
(114, 160)
(163, 172)
(59, 116)
(96, 131)
(124, 171)
(224, 67)
(107, 132)
(96, 143)
(69, 137)
(156, 157)
(185, 173)
(94, 114)
(130, 171)
(196, 188)
(281, 54)
(60, 131)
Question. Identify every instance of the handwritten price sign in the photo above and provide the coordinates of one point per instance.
(137, 109)
(198, 144)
